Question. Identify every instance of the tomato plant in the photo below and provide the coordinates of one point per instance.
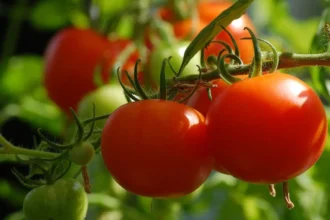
(208, 10)
(106, 99)
(71, 58)
(266, 129)
(156, 148)
(63, 200)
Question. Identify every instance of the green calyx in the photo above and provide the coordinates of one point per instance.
(53, 160)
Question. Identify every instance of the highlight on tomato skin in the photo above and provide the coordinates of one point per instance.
(267, 129)
(156, 148)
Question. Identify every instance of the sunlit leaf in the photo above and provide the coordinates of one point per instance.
(49, 14)
(321, 75)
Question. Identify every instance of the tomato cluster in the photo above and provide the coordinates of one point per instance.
(74, 55)
(266, 129)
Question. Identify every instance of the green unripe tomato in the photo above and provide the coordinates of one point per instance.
(64, 200)
(176, 51)
(106, 98)
(82, 154)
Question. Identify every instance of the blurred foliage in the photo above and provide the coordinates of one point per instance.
(221, 197)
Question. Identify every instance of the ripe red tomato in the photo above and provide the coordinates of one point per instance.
(266, 129)
(200, 100)
(70, 60)
(156, 148)
(208, 10)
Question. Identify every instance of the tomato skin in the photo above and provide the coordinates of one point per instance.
(266, 129)
(156, 148)
(64, 200)
(70, 60)
(209, 10)
(200, 100)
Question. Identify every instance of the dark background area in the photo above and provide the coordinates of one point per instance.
(20, 133)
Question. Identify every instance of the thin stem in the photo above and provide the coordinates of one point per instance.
(87, 185)
(286, 60)
(286, 194)
(223, 71)
(8, 148)
(16, 17)
(257, 60)
(101, 117)
(272, 191)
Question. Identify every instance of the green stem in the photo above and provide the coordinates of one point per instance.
(222, 68)
(286, 60)
(16, 16)
(257, 60)
(87, 121)
(8, 148)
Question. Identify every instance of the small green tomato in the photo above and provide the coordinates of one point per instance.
(82, 154)
(64, 200)
(106, 98)
(176, 51)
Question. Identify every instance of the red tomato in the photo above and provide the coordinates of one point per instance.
(207, 12)
(156, 148)
(200, 100)
(266, 129)
(70, 60)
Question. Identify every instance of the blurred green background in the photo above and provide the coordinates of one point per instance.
(25, 28)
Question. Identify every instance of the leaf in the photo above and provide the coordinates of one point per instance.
(21, 76)
(274, 16)
(211, 30)
(320, 44)
(319, 77)
(48, 15)
(19, 215)
(111, 7)
(7, 158)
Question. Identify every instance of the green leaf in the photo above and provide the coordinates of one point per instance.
(12, 192)
(320, 44)
(211, 30)
(20, 76)
(48, 15)
(110, 7)
(320, 77)
(15, 216)
(79, 19)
